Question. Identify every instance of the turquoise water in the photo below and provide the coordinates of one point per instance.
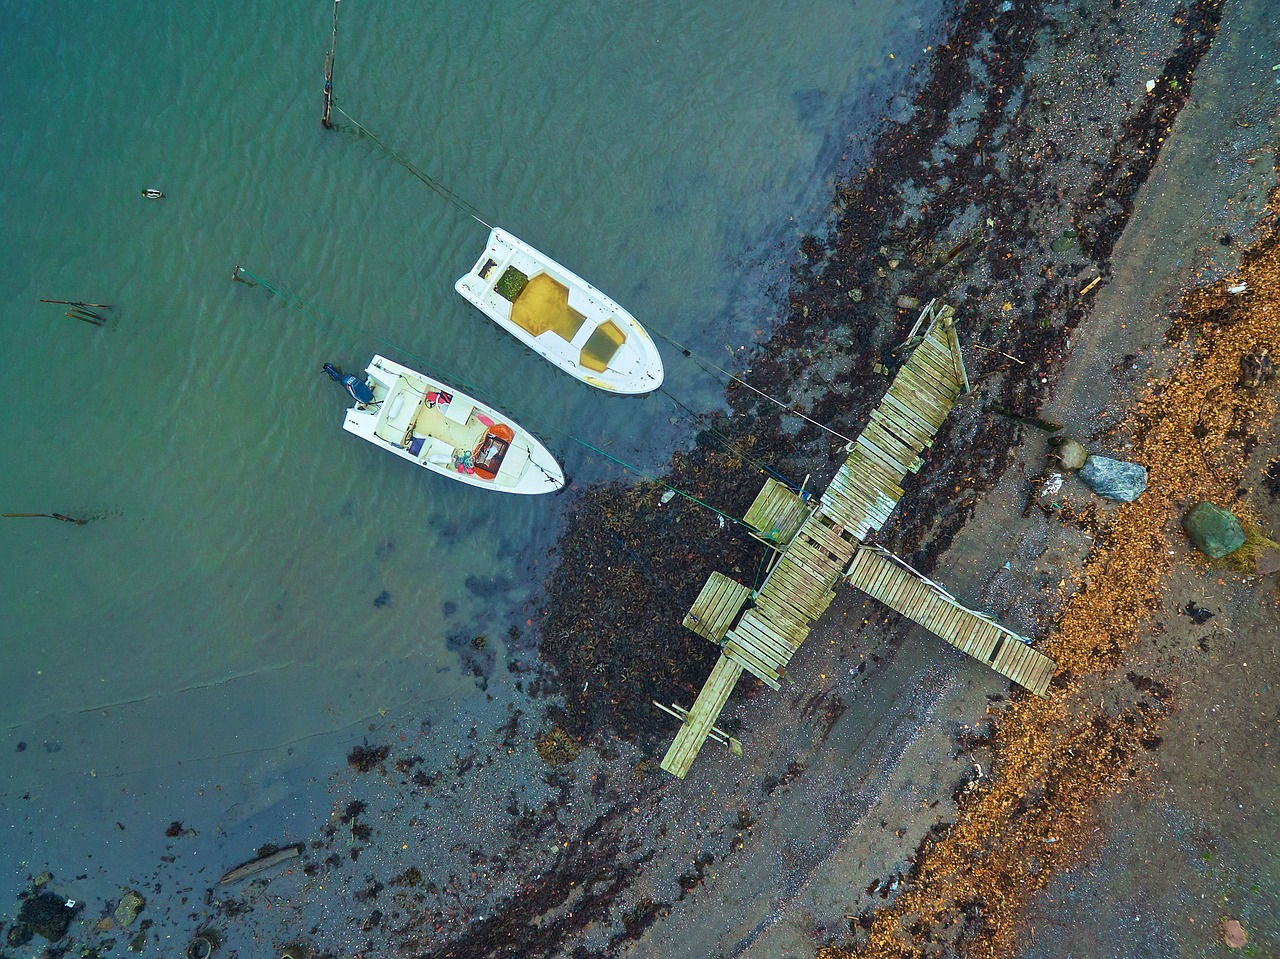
(217, 621)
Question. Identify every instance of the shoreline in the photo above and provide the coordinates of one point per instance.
(853, 822)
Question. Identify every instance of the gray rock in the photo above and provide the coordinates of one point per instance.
(1072, 455)
(908, 302)
(127, 909)
(1114, 479)
(1213, 530)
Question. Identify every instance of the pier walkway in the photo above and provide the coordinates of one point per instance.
(819, 545)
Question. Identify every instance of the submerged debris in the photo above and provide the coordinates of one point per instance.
(262, 863)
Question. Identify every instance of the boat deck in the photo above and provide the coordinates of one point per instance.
(452, 424)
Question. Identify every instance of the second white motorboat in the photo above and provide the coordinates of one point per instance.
(562, 317)
(429, 423)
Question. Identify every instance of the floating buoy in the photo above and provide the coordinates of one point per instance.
(152, 194)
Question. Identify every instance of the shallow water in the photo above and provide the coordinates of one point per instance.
(256, 584)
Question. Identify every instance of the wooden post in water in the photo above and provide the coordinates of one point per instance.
(65, 519)
(328, 73)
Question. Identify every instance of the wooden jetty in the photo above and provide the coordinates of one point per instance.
(820, 544)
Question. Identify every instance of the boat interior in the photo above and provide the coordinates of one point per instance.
(540, 304)
(431, 424)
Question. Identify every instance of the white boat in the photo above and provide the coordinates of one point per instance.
(562, 317)
(443, 430)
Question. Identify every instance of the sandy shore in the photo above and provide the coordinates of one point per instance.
(897, 798)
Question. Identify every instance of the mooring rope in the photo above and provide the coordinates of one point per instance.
(704, 363)
(447, 194)
(308, 309)
(471, 211)
(705, 422)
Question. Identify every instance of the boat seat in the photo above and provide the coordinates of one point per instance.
(458, 410)
(436, 452)
(600, 347)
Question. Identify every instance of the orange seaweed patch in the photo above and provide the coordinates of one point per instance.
(1055, 760)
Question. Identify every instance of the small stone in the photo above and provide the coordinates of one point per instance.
(1114, 479)
(41, 880)
(1268, 562)
(1072, 455)
(855, 294)
(894, 263)
(1067, 243)
(1213, 530)
(127, 909)
(1256, 368)
(1233, 934)
(907, 302)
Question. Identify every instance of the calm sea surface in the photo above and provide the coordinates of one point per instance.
(258, 585)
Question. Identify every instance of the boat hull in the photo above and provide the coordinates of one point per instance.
(561, 317)
(442, 430)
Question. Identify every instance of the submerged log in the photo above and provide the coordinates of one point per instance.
(262, 863)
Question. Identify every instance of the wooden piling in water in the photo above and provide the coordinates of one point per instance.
(59, 516)
(79, 303)
(325, 119)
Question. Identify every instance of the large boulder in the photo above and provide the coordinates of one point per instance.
(1213, 530)
(1114, 479)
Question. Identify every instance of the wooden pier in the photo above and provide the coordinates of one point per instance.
(819, 545)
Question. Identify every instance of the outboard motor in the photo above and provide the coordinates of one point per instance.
(358, 388)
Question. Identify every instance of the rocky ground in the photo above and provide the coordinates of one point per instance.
(896, 798)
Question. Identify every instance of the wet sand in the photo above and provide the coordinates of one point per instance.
(890, 793)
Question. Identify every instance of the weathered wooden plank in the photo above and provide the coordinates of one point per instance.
(818, 561)
(771, 633)
(971, 634)
(779, 632)
(902, 452)
(777, 512)
(702, 716)
(764, 644)
(787, 617)
(882, 459)
(904, 430)
(909, 414)
(877, 580)
(867, 472)
(830, 539)
(929, 408)
(923, 391)
(715, 606)
(747, 660)
(953, 341)
(1025, 666)
(936, 358)
(806, 595)
(800, 582)
(814, 555)
(748, 642)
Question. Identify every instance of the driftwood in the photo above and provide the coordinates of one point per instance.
(262, 863)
